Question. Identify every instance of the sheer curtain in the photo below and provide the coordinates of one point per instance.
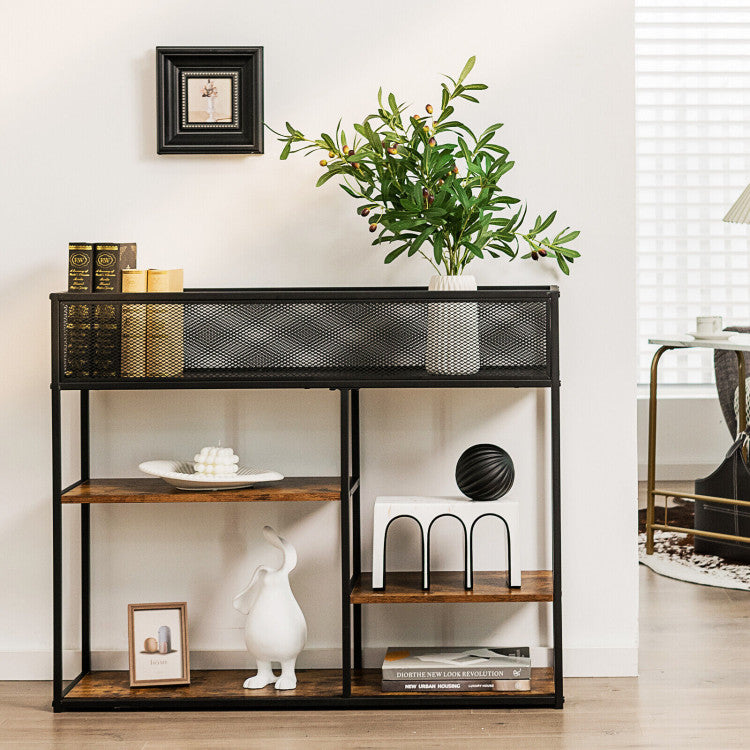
(692, 163)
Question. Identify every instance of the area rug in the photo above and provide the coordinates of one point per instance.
(675, 557)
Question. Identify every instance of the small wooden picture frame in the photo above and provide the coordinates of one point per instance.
(158, 644)
(210, 100)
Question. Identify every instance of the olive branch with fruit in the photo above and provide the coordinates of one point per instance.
(406, 173)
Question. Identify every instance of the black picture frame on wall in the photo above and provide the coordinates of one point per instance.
(209, 100)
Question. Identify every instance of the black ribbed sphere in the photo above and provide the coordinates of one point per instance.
(485, 472)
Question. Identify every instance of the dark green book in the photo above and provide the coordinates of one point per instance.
(110, 258)
(78, 316)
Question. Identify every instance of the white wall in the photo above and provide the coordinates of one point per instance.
(79, 162)
(691, 435)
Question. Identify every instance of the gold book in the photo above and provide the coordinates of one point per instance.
(133, 326)
(164, 327)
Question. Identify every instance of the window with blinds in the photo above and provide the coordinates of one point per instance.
(692, 163)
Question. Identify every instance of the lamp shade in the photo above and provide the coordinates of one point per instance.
(739, 213)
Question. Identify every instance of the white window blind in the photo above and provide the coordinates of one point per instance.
(692, 163)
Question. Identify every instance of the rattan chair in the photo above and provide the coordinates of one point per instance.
(725, 368)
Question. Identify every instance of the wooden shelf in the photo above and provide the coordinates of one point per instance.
(154, 490)
(205, 684)
(226, 684)
(366, 682)
(448, 586)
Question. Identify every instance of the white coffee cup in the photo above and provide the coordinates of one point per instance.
(708, 324)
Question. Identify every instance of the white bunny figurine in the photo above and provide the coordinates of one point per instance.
(276, 629)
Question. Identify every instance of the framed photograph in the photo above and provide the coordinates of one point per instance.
(158, 644)
(210, 100)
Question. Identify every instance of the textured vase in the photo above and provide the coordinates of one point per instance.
(485, 472)
(210, 103)
(452, 329)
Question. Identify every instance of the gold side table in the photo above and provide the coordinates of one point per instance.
(738, 343)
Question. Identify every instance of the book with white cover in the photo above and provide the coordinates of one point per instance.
(457, 663)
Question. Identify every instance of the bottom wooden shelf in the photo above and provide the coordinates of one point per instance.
(112, 689)
(210, 683)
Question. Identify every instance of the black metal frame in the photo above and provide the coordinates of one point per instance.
(350, 520)
(245, 64)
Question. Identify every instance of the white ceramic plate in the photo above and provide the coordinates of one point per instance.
(721, 336)
(180, 474)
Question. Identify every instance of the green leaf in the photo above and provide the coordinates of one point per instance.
(395, 253)
(561, 240)
(546, 222)
(329, 142)
(469, 98)
(495, 126)
(347, 189)
(373, 139)
(447, 112)
(563, 265)
(497, 149)
(327, 176)
(475, 86)
(503, 168)
(392, 104)
(473, 249)
(455, 124)
(437, 248)
(445, 97)
(419, 241)
(464, 149)
(467, 68)
(504, 248)
(285, 151)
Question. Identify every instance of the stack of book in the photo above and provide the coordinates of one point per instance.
(456, 669)
(107, 340)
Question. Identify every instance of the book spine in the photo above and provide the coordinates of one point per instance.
(109, 261)
(495, 673)
(454, 686)
(133, 327)
(164, 327)
(78, 339)
(80, 266)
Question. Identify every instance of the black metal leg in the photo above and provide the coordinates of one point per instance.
(556, 547)
(346, 635)
(85, 540)
(57, 645)
(356, 527)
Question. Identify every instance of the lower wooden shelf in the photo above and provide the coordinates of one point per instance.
(225, 685)
(448, 586)
(210, 683)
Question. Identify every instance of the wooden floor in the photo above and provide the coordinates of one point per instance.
(693, 692)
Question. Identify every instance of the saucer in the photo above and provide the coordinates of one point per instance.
(720, 336)
(180, 474)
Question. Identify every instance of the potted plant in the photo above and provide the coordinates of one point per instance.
(428, 185)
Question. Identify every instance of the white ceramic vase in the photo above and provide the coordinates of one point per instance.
(452, 329)
(275, 630)
(210, 104)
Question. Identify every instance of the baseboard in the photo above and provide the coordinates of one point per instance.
(676, 472)
(37, 665)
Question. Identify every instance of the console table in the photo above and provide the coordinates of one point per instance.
(339, 339)
(739, 343)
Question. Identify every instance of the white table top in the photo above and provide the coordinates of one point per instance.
(740, 342)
